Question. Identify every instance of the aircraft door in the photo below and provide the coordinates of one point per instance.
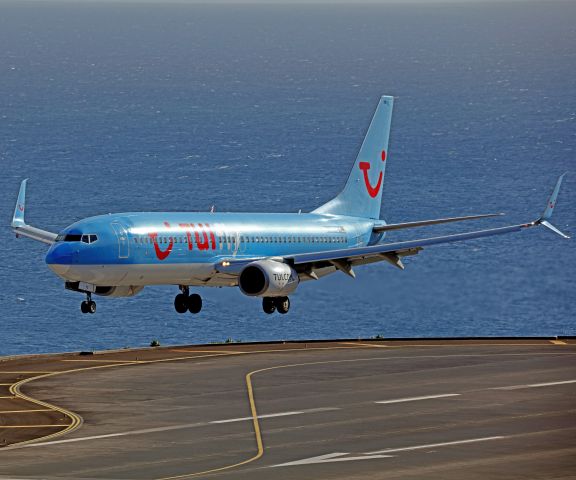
(123, 241)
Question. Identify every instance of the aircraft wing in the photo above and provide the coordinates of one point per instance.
(21, 229)
(345, 259)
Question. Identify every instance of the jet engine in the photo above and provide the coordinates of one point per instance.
(268, 278)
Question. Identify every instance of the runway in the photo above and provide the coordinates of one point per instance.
(443, 409)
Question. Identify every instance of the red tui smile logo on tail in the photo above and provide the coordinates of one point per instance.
(365, 166)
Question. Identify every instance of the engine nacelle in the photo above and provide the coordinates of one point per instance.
(268, 278)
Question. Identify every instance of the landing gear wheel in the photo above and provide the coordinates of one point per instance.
(181, 303)
(282, 304)
(268, 305)
(194, 303)
(91, 306)
(88, 306)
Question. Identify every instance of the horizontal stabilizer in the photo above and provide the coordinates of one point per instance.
(425, 223)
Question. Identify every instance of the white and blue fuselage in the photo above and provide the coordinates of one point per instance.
(139, 249)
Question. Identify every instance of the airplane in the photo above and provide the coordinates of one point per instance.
(266, 255)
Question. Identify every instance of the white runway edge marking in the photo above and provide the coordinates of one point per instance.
(171, 427)
(272, 415)
(415, 399)
(329, 458)
(341, 457)
(436, 445)
(534, 385)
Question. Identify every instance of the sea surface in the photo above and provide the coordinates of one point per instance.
(110, 107)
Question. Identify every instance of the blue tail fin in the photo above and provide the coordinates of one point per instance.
(362, 194)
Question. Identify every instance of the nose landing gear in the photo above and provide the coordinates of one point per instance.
(88, 305)
(184, 301)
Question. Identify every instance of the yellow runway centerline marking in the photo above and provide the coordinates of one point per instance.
(32, 426)
(25, 411)
(21, 373)
(5, 384)
(257, 433)
(8, 397)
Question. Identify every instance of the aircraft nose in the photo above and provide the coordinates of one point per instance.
(59, 258)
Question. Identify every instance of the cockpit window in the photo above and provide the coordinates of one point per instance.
(74, 237)
(89, 238)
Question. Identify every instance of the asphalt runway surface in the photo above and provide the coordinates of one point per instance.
(341, 410)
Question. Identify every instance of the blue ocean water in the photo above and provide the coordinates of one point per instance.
(111, 107)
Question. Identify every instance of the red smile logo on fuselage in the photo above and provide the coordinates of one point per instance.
(162, 255)
(365, 166)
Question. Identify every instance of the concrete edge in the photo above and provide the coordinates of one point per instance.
(285, 342)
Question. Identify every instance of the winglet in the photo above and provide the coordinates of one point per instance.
(547, 214)
(19, 225)
(18, 218)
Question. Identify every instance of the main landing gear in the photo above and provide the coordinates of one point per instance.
(88, 305)
(186, 302)
(271, 304)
